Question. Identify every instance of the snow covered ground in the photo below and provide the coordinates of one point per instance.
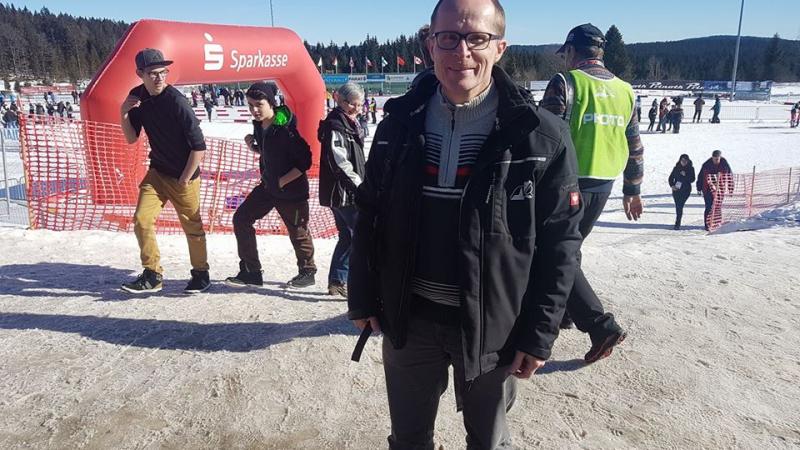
(712, 359)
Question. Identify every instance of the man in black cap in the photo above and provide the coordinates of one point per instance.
(177, 147)
(599, 108)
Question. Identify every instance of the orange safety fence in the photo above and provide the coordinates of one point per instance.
(83, 175)
(741, 196)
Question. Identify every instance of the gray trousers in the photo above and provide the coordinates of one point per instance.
(416, 377)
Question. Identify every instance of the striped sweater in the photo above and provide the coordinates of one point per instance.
(454, 135)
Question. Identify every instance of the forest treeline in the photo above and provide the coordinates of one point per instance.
(40, 45)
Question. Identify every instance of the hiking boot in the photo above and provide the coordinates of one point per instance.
(246, 277)
(303, 279)
(604, 347)
(339, 289)
(149, 281)
(198, 283)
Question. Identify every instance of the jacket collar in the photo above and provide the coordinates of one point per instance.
(515, 112)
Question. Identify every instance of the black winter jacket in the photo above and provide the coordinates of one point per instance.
(683, 174)
(336, 187)
(282, 149)
(517, 258)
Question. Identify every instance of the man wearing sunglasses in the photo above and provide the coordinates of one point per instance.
(467, 231)
(177, 147)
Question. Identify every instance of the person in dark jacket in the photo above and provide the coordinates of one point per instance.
(208, 103)
(663, 110)
(285, 158)
(676, 117)
(652, 114)
(341, 170)
(680, 180)
(713, 181)
(467, 232)
(698, 108)
(716, 109)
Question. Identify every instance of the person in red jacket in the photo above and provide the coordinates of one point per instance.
(714, 180)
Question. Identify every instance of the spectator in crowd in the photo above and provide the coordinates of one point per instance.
(208, 104)
(698, 108)
(51, 109)
(668, 119)
(61, 109)
(680, 181)
(794, 117)
(441, 295)
(10, 119)
(373, 110)
(663, 110)
(363, 122)
(32, 109)
(652, 115)
(195, 98)
(284, 159)
(239, 95)
(2, 100)
(40, 109)
(177, 147)
(713, 181)
(74, 95)
(716, 109)
(677, 115)
(70, 110)
(604, 152)
(638, 107)
(341, 170)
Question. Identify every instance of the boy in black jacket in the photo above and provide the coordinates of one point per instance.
(285, 157)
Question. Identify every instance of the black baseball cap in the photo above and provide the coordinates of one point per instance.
(150, 57)
(585, 35)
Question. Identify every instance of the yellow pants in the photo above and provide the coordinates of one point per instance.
(154, 192)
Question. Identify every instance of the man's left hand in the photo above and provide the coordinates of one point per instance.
(184, 181)
(633, 206)
(525, 365)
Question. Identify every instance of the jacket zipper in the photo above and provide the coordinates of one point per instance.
(412, 253)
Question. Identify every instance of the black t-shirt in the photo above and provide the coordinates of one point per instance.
(171, 126)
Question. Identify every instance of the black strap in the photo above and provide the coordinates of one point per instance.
(362, 341)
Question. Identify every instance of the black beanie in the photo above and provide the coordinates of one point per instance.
(262, 90)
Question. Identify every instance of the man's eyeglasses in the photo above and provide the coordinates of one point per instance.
(449, 40)
(156, 74)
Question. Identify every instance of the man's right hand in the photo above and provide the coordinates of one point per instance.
(372, 321)
(249, 141)
(632, 204)
(129, 103)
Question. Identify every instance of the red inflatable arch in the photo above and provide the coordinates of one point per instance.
(202, 53)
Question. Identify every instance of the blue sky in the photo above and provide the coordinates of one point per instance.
(529, 21)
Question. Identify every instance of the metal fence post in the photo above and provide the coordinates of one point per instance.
(789, 188)
(5, 172)
(750, 197)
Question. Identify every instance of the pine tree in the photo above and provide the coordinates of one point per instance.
(616, 56)
(774, 60)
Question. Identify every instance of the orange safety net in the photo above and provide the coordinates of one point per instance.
(84, 176)
(741, 196)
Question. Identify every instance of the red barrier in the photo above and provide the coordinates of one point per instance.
(743, 196)
(60, 191)
(203, 53)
